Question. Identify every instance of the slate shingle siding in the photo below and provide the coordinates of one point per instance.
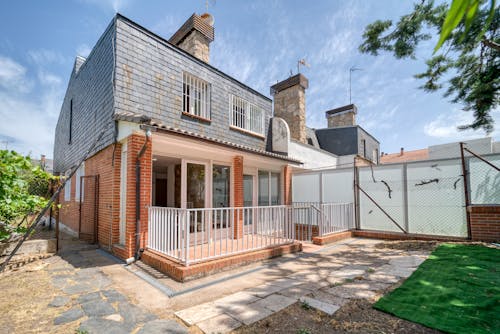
(92, 92)
(149, 81)
(371, 143)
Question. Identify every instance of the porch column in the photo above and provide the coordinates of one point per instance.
(238, 195)
(287, 185)
(135, 143)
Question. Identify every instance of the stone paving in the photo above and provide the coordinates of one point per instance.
(361, 272)
(85, 295)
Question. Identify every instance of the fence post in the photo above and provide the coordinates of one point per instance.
(405, 197)
(357, 220)
(466, 190)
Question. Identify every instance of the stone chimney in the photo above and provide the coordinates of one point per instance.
(290, 104)
(343, 116)
(195, 36)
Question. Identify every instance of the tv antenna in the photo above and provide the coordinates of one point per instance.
(212, 2)
(352, 69)
(303, 63)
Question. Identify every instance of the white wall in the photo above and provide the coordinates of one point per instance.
(452, 150)
(312, 157)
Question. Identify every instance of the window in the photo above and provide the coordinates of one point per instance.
(67, 188)
(246, 116)
(78, 179)
(70, 121)
(220, 186)
(363, 148)
(195, 96)
(269, 188)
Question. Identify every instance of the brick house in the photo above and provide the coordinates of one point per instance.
(189, 156)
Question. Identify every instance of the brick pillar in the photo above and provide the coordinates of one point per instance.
(238, 195)
(287, 185)
(485, 222)
(134, 145)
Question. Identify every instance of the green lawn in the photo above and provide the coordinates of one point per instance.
(456, 290)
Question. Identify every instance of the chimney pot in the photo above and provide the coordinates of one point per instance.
(342, 116)
(402, 150)
(195, 36)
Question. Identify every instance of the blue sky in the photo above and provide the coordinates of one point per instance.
(257, 42)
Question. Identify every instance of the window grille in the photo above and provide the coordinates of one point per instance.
(247, 116)
(195, 96)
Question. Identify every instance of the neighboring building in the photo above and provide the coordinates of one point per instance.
(44, 163)
(442, 151)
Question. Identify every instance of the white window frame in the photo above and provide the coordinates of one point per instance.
(123, 194)
(196, 96)
(79, 173)
(245, 115)
(67, 187)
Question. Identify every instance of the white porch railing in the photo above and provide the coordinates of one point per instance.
(195, 235)
(336, 217)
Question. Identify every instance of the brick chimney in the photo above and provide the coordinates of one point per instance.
(290, 104)
(195, 36)
(343, 116)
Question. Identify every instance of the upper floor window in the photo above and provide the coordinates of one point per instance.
(246, 116)
(195, 96)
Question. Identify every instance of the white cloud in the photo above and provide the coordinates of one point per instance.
(12, 75)
(83, 50)
(167, 26)
(28, 120)
(43, 57)
(445, 126)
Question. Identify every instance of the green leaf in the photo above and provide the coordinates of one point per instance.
(455, 14)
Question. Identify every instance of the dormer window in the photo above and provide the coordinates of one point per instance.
(247, 116)
(195, 96)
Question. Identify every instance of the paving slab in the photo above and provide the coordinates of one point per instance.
(264, 290)
(396, 271)
(366, 285)
(274, 302)
(59, 301)
(100, 325)
(347, 292)
(248, 314)
(199, 313)
(349, 272)
(163, 327)
(238, 298)
(326, 297)
(113, 296)
(88, 297)
(69, 316)
(134, 314)
(382, 277)
(286, 282)
(220, 324)
(320, 305)
(78, 288)
(97, 308)
(296, 291)
(407, 261)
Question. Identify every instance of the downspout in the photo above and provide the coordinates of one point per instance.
(138, 250)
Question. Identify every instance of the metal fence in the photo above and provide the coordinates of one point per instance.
(195, 235)
(421, 197)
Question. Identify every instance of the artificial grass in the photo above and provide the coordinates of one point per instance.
(456, 290)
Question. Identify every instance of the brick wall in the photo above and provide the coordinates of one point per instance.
(485, 222)
(287, 185)
(69, 210)
(238, 195)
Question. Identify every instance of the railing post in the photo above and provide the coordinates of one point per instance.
(188, 232)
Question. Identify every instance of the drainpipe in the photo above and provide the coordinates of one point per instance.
(138, 196)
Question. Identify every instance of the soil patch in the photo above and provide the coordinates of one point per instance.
(357, 316)
(409, 245)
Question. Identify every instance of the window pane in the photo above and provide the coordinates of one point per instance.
(220, 192)
(275, 188)
(263, 188)
(247, 190)
(195, 186)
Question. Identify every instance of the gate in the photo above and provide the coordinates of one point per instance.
(89, 208)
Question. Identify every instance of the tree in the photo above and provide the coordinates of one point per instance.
(466, 59)
(24, 189)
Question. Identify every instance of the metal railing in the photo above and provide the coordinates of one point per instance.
(336, 217)
(196, 235)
